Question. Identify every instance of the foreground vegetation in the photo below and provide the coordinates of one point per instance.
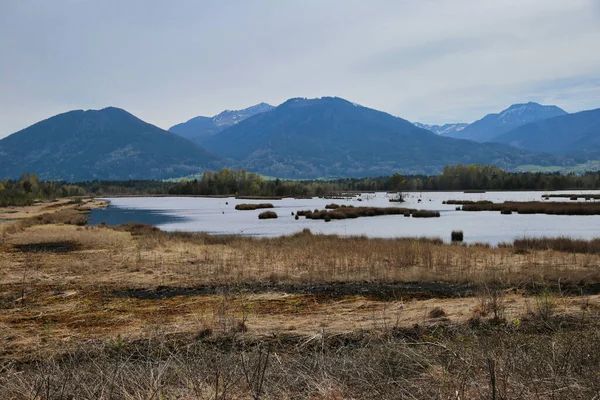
(134, 312)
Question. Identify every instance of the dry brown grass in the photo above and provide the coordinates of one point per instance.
(48, 207)
(514, 360)
(79, 303)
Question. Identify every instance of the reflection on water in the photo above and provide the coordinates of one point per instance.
(115, 216)
(218, 216)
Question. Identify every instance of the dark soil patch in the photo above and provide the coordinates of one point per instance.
(374, 291)
(48, 247)
(369, 290)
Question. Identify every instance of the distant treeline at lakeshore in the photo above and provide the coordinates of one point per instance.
(29, 188)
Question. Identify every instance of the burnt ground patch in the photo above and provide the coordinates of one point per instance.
(65, 246)
(371, 290)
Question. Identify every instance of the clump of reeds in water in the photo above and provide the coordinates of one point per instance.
(425, 214)
(457, 236)
(267, 215)
(349, 212)
(245, 207)
(259, 197)
(572, 196)
(462, 202)
(332, 206)
(538, 207)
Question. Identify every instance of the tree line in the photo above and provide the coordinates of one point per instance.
(29, 188)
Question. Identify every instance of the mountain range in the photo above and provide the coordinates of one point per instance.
(301, 138)
(200, 128)
(100, 144)
(446, 129)
(492, 125)
(329, 137)
(575, 134)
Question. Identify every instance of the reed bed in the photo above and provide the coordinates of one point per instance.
(309, 258)
(574, 196)
(425, 214)
(258, 206)
(457, 236)
(346, 212)
(267, 215)
(563, 244)
(259, 197)
(538, 207)
(462, 202)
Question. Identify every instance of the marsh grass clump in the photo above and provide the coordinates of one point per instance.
(537, 207)
(332, 206)
(572, 196)
(463, 202)
(491, 303)
(259, 197)
(506, 211)
(457, 236)
(267, 215)
(437, 312)
(138, 229)
(350, 212)
(245, 207)
(425, 214)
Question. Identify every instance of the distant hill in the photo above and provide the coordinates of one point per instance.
(573, 134)
(201, 128)
(328, 137)
(516, 115)
(442, 129)
(100, 144)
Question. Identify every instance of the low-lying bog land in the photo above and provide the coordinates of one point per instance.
(134, 312)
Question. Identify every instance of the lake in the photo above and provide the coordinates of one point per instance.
(218, 216)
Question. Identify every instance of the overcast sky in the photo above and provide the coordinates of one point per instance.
(431, 61)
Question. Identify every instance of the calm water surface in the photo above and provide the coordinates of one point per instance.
(218, 216)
